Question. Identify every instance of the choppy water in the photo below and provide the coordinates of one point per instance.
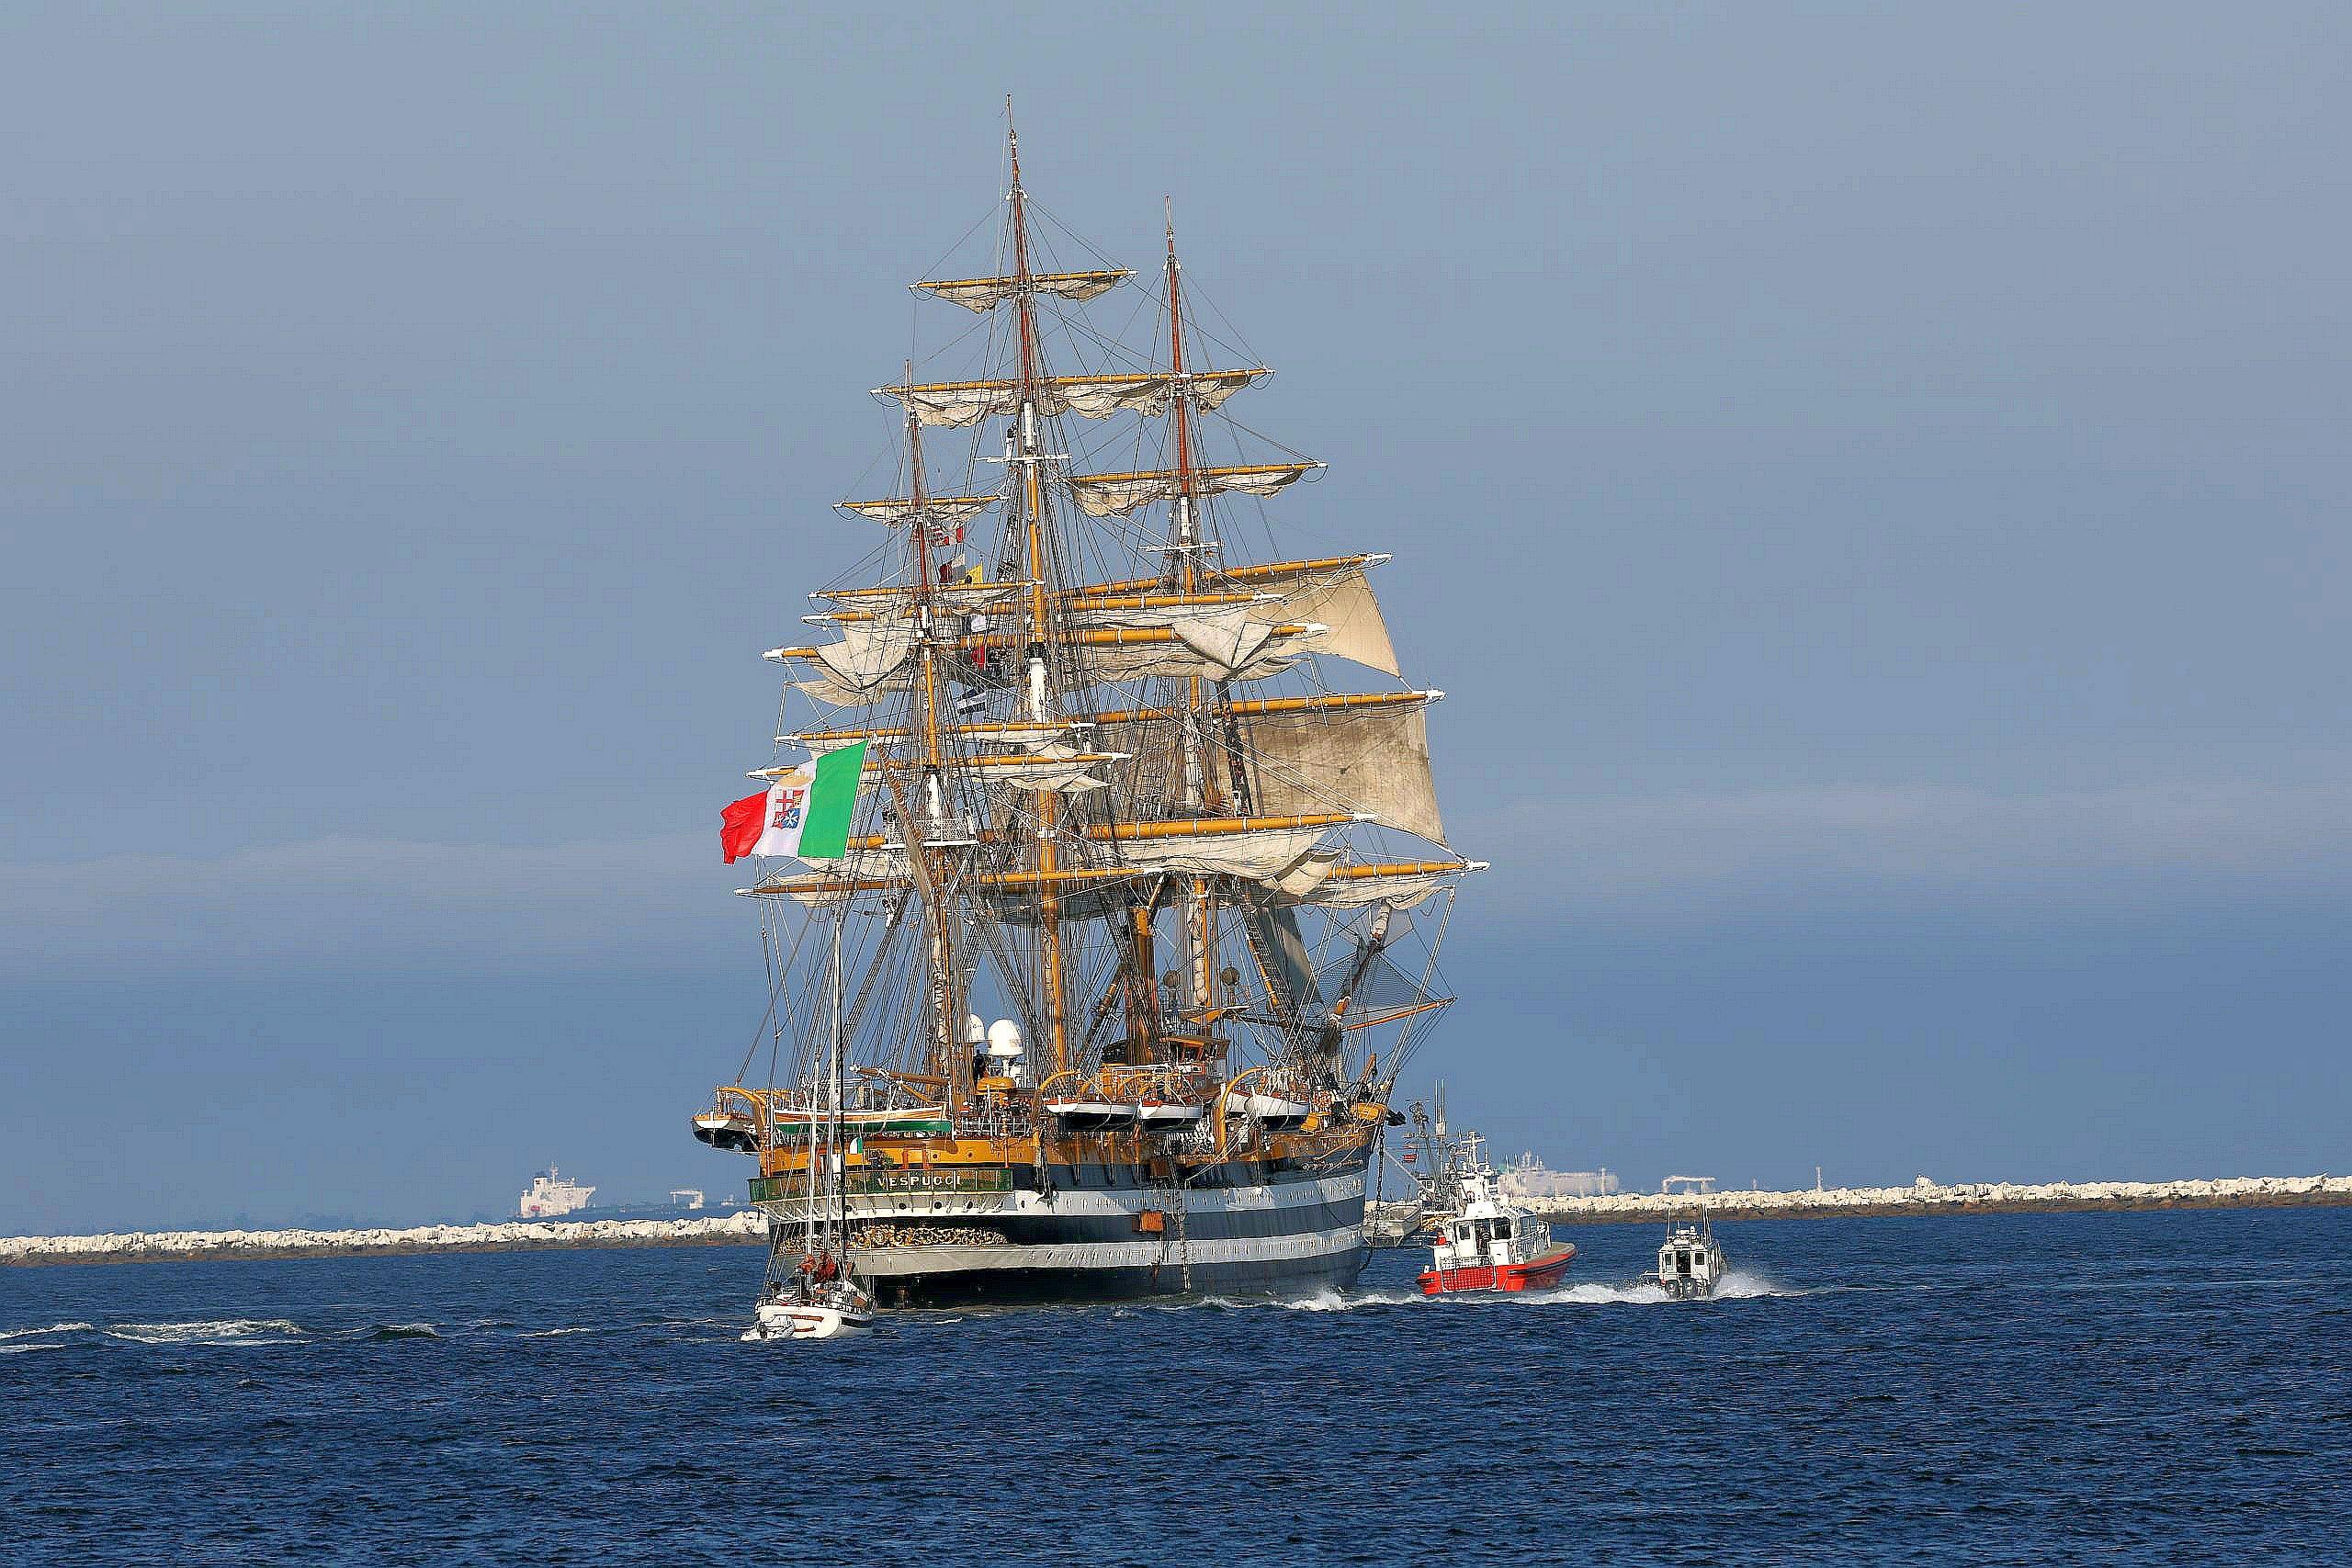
(2119, 1389)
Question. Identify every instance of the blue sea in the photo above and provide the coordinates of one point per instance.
(2158, 1388)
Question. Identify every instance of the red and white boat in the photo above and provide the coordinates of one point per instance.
(1484, 1241)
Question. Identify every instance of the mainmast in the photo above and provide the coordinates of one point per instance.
(1201, 795)
(946, 1060)
(1042, 699)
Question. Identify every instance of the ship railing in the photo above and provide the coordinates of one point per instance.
(1000, 1121)
(1149, 1080)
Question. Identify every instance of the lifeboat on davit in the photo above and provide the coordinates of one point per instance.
(1485, 1242)
(1169, 1116)
(1093, 1115)
(1273, 1112)
(727, 1130)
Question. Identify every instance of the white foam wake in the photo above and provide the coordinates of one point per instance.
(52, 1328)
(211, 1331)
(1738, 1285)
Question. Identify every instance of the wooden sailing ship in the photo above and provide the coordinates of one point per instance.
(1121, 789)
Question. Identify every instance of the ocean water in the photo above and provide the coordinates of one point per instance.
(2162, 1388)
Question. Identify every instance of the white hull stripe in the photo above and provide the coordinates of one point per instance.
(884, 1262)
(1092, 1203)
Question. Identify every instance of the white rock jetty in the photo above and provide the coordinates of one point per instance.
(522, 1236)
(1925, 1197)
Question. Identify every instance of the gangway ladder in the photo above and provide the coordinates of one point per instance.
(1169, 1190)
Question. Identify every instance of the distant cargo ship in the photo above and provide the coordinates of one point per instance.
(1528, 1176)
(554, 1196)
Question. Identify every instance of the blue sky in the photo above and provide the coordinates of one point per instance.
(1872, 483)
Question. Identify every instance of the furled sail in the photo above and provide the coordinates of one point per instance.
(982, 295)
(1400, 887)
(1111, 495)
(871, 659)
(1031, 735)
(1044, 767)
(1220, 643)
(1335, 593)
(1261, 855)
(936, 509)
(957, 403)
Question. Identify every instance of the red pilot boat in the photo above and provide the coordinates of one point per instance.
(1484, 1241)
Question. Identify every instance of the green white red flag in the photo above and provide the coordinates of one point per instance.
(805, 813)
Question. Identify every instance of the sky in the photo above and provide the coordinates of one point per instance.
(1871, 480)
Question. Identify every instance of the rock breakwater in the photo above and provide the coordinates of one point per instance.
(1925, 1197)
(742, 1228)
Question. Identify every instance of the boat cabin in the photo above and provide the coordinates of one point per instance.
(1689, 1264)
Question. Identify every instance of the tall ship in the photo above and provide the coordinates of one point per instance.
(1099, 862)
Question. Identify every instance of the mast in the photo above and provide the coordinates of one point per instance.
(838, 1236)
(944, 1056)
(1201, 790)
(1047, 802)
(1216, 802)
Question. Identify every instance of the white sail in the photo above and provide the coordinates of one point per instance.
(1343, 604)
(1374, 760)
(981, 295)
(1110, 495)
(956, 403)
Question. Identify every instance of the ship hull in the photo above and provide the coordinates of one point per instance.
(1535, 1274)
(1108, 1233)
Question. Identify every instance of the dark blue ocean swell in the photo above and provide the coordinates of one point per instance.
(2128, 1389)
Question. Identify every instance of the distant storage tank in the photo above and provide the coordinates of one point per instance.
(1527, 1177)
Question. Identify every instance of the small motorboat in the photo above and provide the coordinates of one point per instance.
(1485, 1242)
(1691, 1265)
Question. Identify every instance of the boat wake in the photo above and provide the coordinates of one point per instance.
(52, 1328)
(211, 1331)
(386, 1331)
(1738, 1285)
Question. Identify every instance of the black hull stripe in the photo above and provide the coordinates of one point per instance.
(1268, 1277)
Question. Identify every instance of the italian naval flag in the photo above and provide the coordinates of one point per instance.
(805, 813)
